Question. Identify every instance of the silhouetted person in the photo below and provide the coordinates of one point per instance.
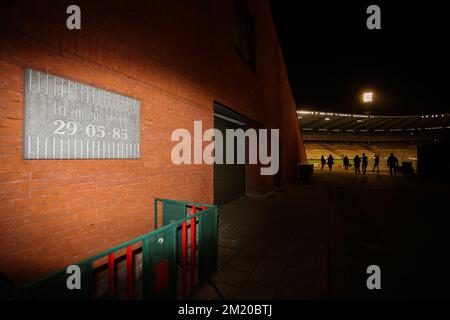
(365, 162)
(346, 163)
(356, 164)
(376, 163)
(322, 161)
(392, 163)
(330, 161)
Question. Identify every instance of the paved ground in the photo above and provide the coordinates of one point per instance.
(315, 240)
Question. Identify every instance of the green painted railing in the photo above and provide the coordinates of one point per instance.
(175, 258)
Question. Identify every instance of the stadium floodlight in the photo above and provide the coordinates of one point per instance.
(367, 96)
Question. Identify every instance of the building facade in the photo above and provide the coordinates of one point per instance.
(180, 59)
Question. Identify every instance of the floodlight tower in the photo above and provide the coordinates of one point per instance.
(367, 99)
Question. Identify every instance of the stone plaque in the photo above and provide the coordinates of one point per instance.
(70, 120)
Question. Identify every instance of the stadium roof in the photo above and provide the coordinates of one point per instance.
(330, 122)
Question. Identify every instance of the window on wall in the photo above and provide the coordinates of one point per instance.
(244, 33)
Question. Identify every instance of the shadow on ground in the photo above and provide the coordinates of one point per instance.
(316, 240)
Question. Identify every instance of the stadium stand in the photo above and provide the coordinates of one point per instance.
(405, 152)
(326, 133)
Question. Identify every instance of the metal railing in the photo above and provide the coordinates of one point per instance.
(179, 255)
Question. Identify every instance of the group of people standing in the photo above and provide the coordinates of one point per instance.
(362, 163)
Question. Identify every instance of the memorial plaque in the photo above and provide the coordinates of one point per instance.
(70, 120)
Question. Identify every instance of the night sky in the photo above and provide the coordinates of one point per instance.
(331, 56)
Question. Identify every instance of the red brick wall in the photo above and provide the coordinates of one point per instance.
(176, 57)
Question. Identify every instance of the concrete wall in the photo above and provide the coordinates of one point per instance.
(176, 57)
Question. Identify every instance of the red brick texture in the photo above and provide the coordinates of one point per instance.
(176, 57)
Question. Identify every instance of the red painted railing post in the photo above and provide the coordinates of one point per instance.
(111, 269)
(130, 273)
(183, 259)
(193, 240)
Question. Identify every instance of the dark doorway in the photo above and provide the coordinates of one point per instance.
(229, 179)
